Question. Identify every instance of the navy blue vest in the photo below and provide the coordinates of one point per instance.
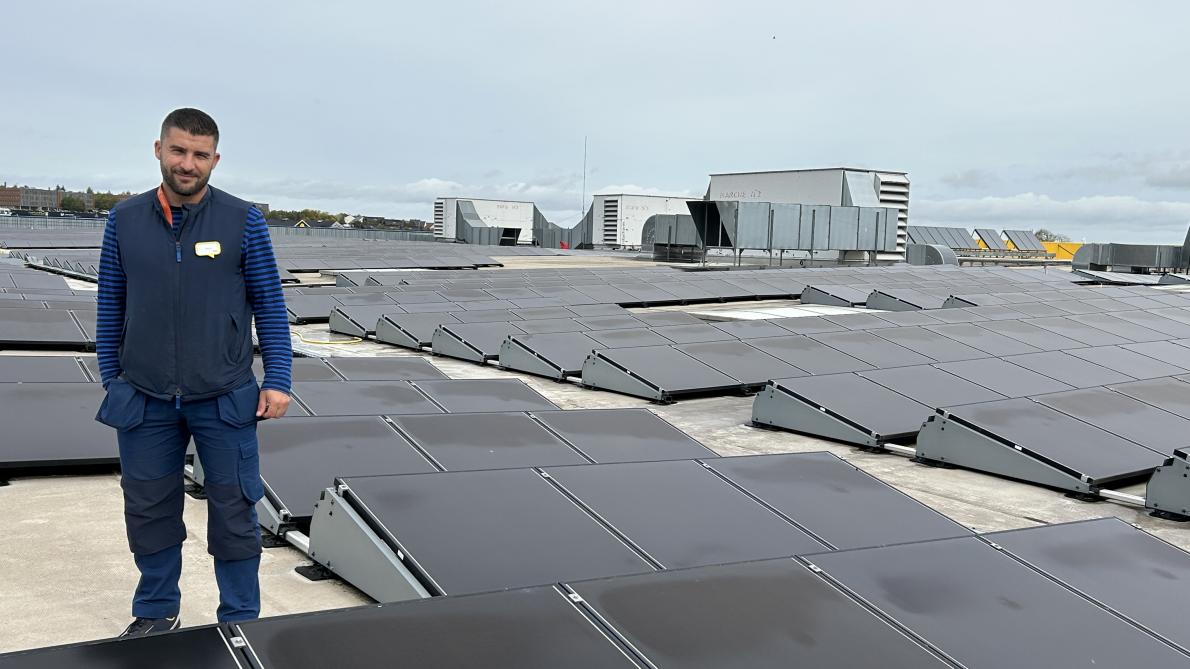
(187, 320)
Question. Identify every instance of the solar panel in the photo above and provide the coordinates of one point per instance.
(1124, 416)
(51, 424)
(1133, 572)
(24, 327)
(1120, 327)
(384, 368)
(1155, 322)
(676, 619)
(810, 324)
(622, 435)
(871, 349)
(487, 316)
(1127, 362)
(432, 308)
(1075, 372)
(682, 515)
(691, 334)
(956, 315)
(359, 320)
(981, 339)
(655, 372)
(366, 298)
(664, 318)
(1040, 338)
(840, 504)
(556, 355)
(610, 322)
(807, 354)
(536, 628)
(48, 368)
(751, 329)
(303, 369)
(191, 648)
(905, 318)
(1080, 332)
(627, 338)
(362, 398)
(1003, 377)
(302, 455)
(482, 395)
(543, 313)
(1052, 437)
(486, 441)
(991, 239)
(838, 296)
(931, 344)
(477, 342)
(445, 520)
(851, 401)
(931, 386)
(920, 584)
(1024, 240)
(748, 365)
(592, 310)
(551, 325)
(411, 330)
(1170, 394)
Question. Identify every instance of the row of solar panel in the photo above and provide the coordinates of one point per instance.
(66, 433)
(967, 601)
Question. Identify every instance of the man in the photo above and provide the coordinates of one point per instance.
(183, 270)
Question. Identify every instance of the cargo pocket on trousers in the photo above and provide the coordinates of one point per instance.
(238, 407)
(249, 471)
(123, 407)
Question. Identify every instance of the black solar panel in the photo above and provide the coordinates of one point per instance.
(835, 501)
(752, 329)
(486, 441)
(810, 355)
(23, 327)
(48, 368)
(682, 515)
(953, 591)
(930, 344)
(678, 619)
(931, 386)
(860, 402)
(1127, 362)
(622, 435)
(536, 628)
(193, 648)
(1039, 338)
(1055, 437)
(1068, 369)
(1124, 416)
(1170, 394)
(1003, 377)
(1134, 573)
(1079, 332)
(481, 395)
(53, 424)
(742, 362)
(303, 369)
(445, 522)
(627, 338)
(385, 368)
(362, 398)
(664, 368)
(301, 456)
(871, 349)
(982, 339)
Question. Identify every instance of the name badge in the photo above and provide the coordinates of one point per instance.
(207, 249)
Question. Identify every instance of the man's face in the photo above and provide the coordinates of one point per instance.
(186, 160)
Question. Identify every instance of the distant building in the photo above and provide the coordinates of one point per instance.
(505, 215)
(315, 223)
(10, 196)
(840, 187)
(25, 197)
(619, 219)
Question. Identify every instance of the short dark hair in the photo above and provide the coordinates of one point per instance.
(193, 121)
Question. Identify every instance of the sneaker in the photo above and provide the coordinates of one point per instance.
(147, 626)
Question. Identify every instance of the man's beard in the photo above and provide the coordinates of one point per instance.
(176, 186)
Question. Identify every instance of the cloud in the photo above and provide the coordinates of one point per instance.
(1165, 169)
(973, 178)
(633, 189)
(1103, 218)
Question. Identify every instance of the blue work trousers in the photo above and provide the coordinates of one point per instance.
(153, 435)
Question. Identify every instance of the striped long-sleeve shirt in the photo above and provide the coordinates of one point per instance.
(261, 280)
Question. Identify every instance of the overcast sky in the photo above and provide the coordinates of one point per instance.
(1068, 115)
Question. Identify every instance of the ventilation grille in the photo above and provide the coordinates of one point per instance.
(439, 217)
(893, 191)
(611, 221)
